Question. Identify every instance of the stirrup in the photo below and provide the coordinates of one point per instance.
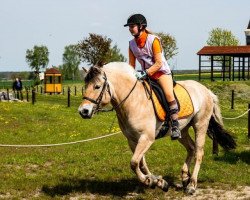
(175, 133)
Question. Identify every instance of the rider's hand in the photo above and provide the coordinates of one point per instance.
(141, 75)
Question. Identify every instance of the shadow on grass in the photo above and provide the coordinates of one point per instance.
(118, 188)
(234, 157)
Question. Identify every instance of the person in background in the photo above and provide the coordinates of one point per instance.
(147, 49)
(17, 87)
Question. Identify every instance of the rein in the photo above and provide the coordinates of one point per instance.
(99, 98)
(125, 97)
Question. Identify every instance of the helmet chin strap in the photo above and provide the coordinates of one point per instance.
(139, 32)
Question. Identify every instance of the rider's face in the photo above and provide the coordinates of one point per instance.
(133, 29)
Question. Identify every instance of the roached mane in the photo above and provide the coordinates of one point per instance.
(92, 74)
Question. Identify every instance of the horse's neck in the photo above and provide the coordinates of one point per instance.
(136, 110)
(121, 91)
(121, 87)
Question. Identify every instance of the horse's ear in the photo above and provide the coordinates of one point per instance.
(85, 70)
(100, 63)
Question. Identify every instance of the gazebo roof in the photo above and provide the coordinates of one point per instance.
(225, 50)
(52, 71)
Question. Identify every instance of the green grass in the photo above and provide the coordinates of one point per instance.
(100, 169)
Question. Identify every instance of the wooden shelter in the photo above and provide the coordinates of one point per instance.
(52, 81)
(224, 62)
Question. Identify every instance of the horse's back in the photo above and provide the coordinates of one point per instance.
(198, 93)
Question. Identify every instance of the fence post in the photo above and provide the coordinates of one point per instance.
(75, 90)
(248, 121)
(33, 96)
(232, 100)
(14, 94)
(215, 146)
(27, 95)
(21, 95)
(68, 96)
(8, 94)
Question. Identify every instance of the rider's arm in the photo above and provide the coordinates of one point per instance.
(157, 57)
(131, 57)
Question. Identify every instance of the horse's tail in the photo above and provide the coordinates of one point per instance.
(216, 129)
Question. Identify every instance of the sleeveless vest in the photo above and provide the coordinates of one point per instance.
(145, 54)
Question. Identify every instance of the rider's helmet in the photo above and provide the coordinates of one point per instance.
(137, 19)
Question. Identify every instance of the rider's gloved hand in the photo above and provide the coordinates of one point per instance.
(141, 75)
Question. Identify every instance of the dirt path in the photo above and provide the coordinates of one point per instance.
(241, 193)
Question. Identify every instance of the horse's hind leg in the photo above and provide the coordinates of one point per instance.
(200, 129)
(189, 144)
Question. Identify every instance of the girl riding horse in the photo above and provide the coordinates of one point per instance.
(146, 48)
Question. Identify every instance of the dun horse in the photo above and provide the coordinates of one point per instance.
(116, 83)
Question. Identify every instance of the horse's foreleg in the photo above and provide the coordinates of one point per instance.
(144, 166)
(189, 144)
(200, 132)
(141, 148)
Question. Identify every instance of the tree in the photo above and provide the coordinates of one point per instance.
(71, 62)
(115, 55)
(97, 49)
(168, 43)
(222, 37)
(37, 58)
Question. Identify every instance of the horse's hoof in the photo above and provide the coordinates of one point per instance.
(190, 190)
(163, 185)
(185, 183)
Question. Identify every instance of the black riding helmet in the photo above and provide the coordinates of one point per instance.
(137, 19)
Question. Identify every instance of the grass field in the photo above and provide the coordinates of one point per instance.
(100, 169)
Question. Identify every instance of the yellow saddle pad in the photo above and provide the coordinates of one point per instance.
(186, 104)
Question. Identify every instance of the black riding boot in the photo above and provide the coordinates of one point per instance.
(175, 131)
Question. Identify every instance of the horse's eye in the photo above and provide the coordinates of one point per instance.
(97, 87)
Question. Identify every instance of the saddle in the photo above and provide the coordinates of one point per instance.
(160, 104)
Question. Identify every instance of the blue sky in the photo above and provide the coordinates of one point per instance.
(58, 23)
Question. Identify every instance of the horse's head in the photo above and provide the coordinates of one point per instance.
(97, 92)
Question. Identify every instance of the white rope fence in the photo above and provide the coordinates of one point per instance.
(60, 144)
(238, 116)
(90, 139)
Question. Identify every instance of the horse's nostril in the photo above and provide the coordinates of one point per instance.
(85, 111)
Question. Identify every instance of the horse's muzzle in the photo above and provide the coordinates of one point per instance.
(86, 111)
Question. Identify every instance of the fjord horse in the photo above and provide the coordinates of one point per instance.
(116, 83)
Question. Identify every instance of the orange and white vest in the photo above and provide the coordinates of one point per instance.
(145, 54)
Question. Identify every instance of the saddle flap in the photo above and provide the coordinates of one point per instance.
(161, 106)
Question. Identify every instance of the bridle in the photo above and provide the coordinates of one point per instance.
(99, 98)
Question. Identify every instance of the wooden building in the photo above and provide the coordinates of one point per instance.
(52, 81)
(225, 62)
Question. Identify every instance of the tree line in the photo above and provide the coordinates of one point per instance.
(96, 49)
